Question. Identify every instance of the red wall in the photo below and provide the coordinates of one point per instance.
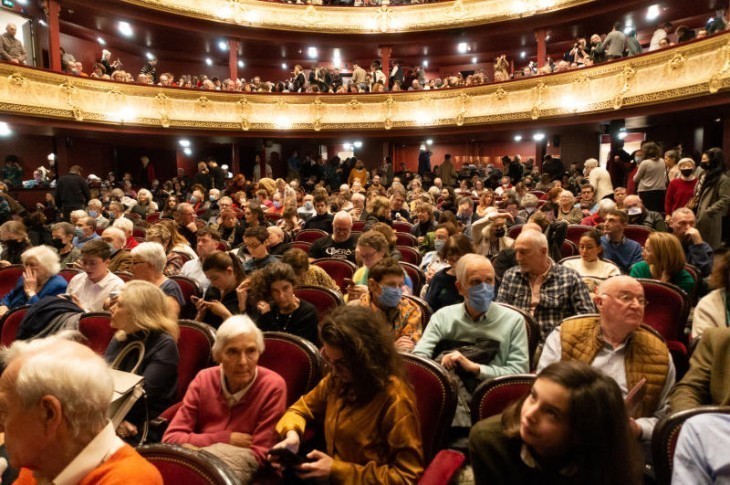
(486, 152)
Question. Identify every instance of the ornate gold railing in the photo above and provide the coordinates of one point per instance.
(696, 69)
(357, 20)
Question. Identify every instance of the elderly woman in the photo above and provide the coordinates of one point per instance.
(567, 210)
(681, 189)
(664, 260)
(144, 344)
(230, 228)
(175, 245)
(287, 313)
(62, 236)
(366, 380)
(305, 273)
(237, 402)
(14, 239)
(529, 203)
(39, 279)
(148, 264)
(145, 203)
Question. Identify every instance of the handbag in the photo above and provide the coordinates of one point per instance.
(128, 387)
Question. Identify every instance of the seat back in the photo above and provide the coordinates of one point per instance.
(9, 276)
(426, 311)
(410, 255)
(189, 289)
(68, 273)
(533, 333)
(697, 278)
(568, 249)
(195, 346)
(223, 246)
(303, 245)
(10, 324)
(417, 276)
(295, 359)
(323, 299)
(665, 435)
(436, 400)
(310, 235)
(401, 226)
(637, 233)
(493, 396)
(125, 276)
(96, 327)
(272, 216)
(667, 310)
(181, 465)
(514, 231)
(139, 232)
(358, 226)
(152, 217)
(575, 231)
(339, 269)
(405, 239)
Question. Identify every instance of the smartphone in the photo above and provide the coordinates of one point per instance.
(194, 299)
(286, 457)
(349, 282)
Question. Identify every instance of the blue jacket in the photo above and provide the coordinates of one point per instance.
(56, 285)
(624, 254)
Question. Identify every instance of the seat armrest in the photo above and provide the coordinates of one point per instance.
(443, 468)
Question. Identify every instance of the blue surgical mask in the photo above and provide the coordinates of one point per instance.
(390, 296)
(79, 232)
(193, 200)
(93, 214)
(277, 204)
(308, 205)
(439, 244)
(481, 296)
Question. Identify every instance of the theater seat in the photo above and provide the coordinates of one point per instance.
(68, 273)
(195, 346)
(493, 396)
(533, 333)
(668, 309)
(303, 245)
(418, 278)
(96, 327)
(310, 235)
(637, 233)
(410, 255)
(182, 466)
(9, 276)
(189, 289)
(295, 359)
(406, 239)
(514, 231)
(339, 269)
(323, 299)
(125, 276)
(11, 323)
(402, 226)
(575, 232)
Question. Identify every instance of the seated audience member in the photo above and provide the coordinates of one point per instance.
(275, 285)
(442, 289)
(148, 264)
(385, 297)
(696, 251)
(567, 211)
(236, 403)
(85, 231)
(145, 204)
(490, 234)
(699, 457)
(571, 428)
(56, 396)
(275, 243)
(387, 231)
(590, 266)
(14, 239)
(681, 189)
(498, 333)
(185, 220)
(434, 261)
(39, 279)
(174, 244)
(372, 246)
(225, 296)
(306, 211)
(127, 226)
(423, 224)
(340, 244)
(619, 195)
(587, 203)
(707, 382)
(617, 247)
(548, 291)
(529, 203)
(308, 274)
(616, 343)
(599, 218)
(640, 216)
(254, 240)
(290, 222)
(139, 316)
(208, 240)
(120, 260)
(91, 288)
(322, 219)
(95, 212)
(664, 261)
(230, 228)
(712, 309)
(366, 380)
(506, 259)
(63, 234)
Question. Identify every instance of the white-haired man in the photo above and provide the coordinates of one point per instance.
(94, 209)
(11, 49)
(127, 227)
(120, 259)
(599, 178)
(696, 251)
(148, 264)
(340, 244)
(537, 285)
(55, 398)
(640, 215)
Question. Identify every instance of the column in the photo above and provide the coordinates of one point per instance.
(235, 167)
(540, 36)
(233, 59)
(385, 52)
(54, 35)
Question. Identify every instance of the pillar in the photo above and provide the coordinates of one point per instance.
(385, 52)
(540, 36)
(54, 35)
(233, 59)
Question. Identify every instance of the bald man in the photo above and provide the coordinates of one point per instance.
(641, 216)
(341, 244)
(616, 342)
(11, 49)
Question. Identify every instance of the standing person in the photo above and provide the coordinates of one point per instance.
(651, 178)
(446, 171)
(72, 192)
(712, 196)
(681, 189)
(146, 172)
(660, 34)
(599, 178)
(11, 49)
(615, 42)
(150, 69)
(424, 161)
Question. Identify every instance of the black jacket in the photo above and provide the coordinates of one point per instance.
(72, 191)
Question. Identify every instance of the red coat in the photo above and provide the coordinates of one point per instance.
(679, 192)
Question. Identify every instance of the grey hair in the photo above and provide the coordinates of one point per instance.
(78, 214)
(69, 371)
(529, 200)
(46, 256)
(94, 202)
(591, 163)
(467, 261)
(605, 205)
(152, 253)
(115, 232)
(126, 225)
(342, 216)
(568, 192)
(685, 211)
(234, 327)
(535, 238)
(358, 196)
(686, 161)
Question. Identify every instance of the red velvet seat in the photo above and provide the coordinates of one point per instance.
(272, 216)
(514, 231)
(637, 233)
(68, 273)
(665, 435)
(223, 246)
(415, 274)
(9, 276)
(182, 466)
(310, 235)
(568, 249)
(537, 193)
(697, 278)
(303, 245)
(667, 310)
(401, 226)
(406, 239)
(358, 226)
(410, 255)
(189, 289)
(533, 333)
(139, 232)
(201, 212)
(195, 346)
(493, 396)
(96, 327)
(575, 231)
(295, 359)
(152, 217)
(323, 299)
(125, 276)
(11, 324)
(339, 269)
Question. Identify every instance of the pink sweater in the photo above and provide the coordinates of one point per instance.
(205, 418)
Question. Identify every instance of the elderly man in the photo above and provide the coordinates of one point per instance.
(537, 285)
(597, 219)
(208, 240)
(616, 343)
(120, 259)
(11, 49)
(617, 247)
(127, 227)
(276, 243)
(85, 231)
(696, 251)
(497, 334)
(341, 244)
(599, 178)
(148, 264)
(56, 396)
(641, 216)
(185, 218)
(94, 209)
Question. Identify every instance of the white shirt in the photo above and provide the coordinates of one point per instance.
(232, 399)
(99, 450)
(194, 269)
(600, 179)
(92, 295)
(658, 35)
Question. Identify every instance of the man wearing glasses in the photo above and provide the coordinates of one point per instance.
(90, 288)
(616, 342)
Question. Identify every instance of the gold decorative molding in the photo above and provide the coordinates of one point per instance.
(704, 69)
(357, 20)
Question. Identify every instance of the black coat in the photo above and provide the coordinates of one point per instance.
(72, 191)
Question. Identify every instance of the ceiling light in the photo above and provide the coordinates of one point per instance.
(462, 47)
(51, 156)
(429, 142)
(523, 54)
(473, 60)
(347, 146)
(538, 136)
(149, 56)
(101, 41)
(22, 2)
(358, 144)
(209, 61)
(125, 29)
(312, 52)
(425, 63)
(622, 135)
(5, 129)
(184, 143)
(222, 45)
(336, 52)
(518, 137)
(241, 64)
(652, 12)
(283, 65)
(187, 151)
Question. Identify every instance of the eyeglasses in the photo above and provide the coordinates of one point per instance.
(252, 245)
(339, 364)
(627, 299)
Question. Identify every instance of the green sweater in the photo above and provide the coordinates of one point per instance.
(681, 279)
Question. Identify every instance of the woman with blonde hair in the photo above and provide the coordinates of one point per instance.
(176, 247)
(486, 200)
(144, 344)
(664, 261)
(145, 203)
